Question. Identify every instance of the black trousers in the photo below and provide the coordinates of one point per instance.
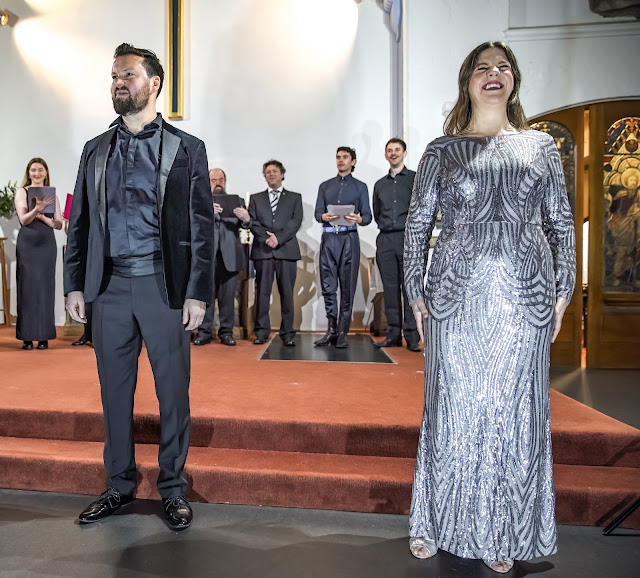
(225, 287)
(128, 311)
(285, 273)
(339, 265)
(87, 326)
(389, 257)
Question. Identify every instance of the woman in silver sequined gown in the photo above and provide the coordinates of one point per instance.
(502, 273)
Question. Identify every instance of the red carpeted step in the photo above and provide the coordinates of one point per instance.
(581, 435)
(594, 496)
(586, 495)
(584, 436)
(323, 481)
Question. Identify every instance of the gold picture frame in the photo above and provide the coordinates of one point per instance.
(175, 67)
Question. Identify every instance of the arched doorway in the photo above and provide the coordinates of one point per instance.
(598, 143)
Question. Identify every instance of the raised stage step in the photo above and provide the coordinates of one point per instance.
(606, 441)
(586, 495)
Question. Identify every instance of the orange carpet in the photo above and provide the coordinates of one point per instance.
(316, 435)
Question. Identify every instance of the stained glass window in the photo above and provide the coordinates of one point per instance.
(622, 207)
(567, 148)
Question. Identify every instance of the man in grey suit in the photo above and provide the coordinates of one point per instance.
(228, 262)
(140, 248)
(276, 217)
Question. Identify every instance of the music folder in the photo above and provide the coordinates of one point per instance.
(40, 193)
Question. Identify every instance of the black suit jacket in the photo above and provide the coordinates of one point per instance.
(227, 237)
(185, 212)
(284, 224)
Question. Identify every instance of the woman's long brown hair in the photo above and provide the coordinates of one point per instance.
(26, 181)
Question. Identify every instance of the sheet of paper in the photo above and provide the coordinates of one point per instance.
(341, 211)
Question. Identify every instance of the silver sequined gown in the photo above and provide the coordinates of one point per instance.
(483, 485)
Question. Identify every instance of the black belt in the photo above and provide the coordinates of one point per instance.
(339, 229)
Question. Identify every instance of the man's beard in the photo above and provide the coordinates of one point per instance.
(132, 104)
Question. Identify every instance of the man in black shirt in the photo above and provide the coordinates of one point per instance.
(340, 245)
(140, 248)
(391, 198)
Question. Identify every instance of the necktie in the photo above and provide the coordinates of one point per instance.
(275, 195)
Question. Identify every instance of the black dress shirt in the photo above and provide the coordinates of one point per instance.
(132, 228)
(343, 191)
(391, 198)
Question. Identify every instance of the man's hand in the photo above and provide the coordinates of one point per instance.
(242, 214)
(328, 217)
(272, 240)
(420, 312)
(559, 309)
(75, 306)
(193, 313)
(217, 208)
(353, 219)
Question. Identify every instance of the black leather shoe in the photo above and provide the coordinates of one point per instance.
(82, 341)
(227, 340)
(104, 506)
(389, 342)
(27, 345)
(259, 341)
(289, 342)
(413, 346)
(202, 341)
(342, 342)
(178, 512)
(43, 345)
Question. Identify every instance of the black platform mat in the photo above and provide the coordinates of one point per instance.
(360, 350)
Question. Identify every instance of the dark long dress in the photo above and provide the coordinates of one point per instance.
(36, 253)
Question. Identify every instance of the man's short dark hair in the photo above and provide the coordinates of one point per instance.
(275, 163)
(351, 151)
(396, 140)
(151, 62)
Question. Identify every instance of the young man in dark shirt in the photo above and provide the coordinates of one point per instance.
(340, 246)
(391, 198)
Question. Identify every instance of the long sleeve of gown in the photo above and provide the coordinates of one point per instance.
(422, 214)
(558, 224)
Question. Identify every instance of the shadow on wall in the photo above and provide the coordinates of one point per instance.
(9, 228)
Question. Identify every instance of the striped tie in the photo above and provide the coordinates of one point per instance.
(275, 195)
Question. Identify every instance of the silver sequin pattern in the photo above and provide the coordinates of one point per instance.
(483, 485)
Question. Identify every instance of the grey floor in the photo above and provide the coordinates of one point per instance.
(39, 536)
(614, 392)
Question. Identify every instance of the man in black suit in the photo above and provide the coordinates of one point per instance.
(140, 248)
(276, 217)
(228, 262)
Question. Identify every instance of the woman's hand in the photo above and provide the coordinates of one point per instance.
(42, 204)
(559, 309)
(420, 312)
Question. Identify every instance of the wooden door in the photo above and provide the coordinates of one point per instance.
(613, 320)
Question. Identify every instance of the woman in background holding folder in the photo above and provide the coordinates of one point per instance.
(36, 253)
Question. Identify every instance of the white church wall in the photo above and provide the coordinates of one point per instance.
(286, 79)
(567, 55)
(290, 79)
